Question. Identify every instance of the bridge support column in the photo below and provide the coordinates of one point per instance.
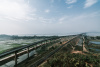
(15, 59)
(28, 51)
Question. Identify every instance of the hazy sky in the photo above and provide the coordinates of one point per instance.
(49, 16)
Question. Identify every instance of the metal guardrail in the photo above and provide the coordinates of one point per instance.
(16, 54)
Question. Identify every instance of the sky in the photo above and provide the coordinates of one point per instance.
(52, 17)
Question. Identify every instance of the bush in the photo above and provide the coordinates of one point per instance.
(72, 60)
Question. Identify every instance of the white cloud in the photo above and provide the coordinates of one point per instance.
(80, 23)
(89, 3)
(70, 6)
(71, 23)
(17, 17)
(14, 15)
(63, 18)
(28, 1)
(15, 9)
(47, 10)
(81, 17)
(71, 1)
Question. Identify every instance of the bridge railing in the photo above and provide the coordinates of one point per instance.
(15, 53)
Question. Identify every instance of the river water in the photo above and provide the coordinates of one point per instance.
(97, 43)
(94, 42)
(20, 59)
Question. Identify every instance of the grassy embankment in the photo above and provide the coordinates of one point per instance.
(67, 57)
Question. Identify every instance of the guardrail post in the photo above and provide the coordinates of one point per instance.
(16, 59)
(28, 51)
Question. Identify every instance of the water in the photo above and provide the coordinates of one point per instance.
(97, 43)
(20, 59)
(94, 42)
(8, 44)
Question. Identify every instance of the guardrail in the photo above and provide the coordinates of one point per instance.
(15, 53)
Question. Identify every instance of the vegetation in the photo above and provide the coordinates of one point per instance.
(62, 59)
(65, 58)
(25, 37)
(97, 37)
(2, 51)
(72, 60)
(94, 46)
(33, 37)
(47, 47)
(93, 38)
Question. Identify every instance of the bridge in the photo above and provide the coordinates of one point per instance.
(15, 54)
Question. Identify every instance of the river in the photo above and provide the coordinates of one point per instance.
(95, 42)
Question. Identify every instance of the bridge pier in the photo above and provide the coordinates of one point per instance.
(15, 59)
(28, 51)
